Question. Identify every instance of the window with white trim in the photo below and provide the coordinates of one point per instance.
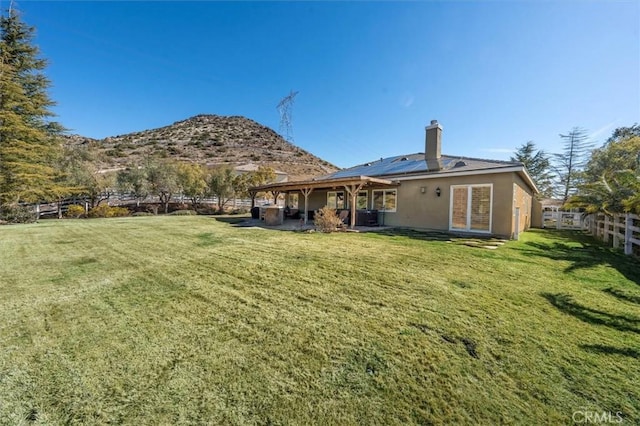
(335, 199)
(384, 199)
(470, 208)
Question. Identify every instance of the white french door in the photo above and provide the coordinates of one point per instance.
(470, 208)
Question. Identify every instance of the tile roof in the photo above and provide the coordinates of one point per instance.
(416, 164)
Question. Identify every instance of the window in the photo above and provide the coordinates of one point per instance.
(384, 200)
(362, 200)
(335, 200)
(471, 208)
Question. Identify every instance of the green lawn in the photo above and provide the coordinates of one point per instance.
(169, 320)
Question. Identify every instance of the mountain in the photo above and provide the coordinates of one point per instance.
(210, 140)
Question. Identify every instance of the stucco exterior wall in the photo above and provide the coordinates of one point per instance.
(522, 199)
(317, 199)
(418, 206)
(416, 209)
(536, 213)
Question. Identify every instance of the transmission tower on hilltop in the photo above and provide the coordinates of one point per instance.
(285, 107)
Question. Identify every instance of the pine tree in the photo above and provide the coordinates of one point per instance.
(28, 139)
(569, 164)
(538, 165)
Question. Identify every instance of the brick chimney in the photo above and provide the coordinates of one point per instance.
(432, 145)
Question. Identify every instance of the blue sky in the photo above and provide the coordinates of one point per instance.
(370, 75)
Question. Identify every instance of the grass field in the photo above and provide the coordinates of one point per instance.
(190, 320)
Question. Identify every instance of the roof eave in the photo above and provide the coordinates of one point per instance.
(323, 183)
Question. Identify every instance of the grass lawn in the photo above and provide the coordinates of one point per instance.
(169, 320)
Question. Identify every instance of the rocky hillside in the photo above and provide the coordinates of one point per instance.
(211, 140)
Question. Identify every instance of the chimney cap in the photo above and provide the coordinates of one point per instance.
(434, 124)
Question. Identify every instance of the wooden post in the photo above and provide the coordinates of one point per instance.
(605, 237)
(353, 192)
(306, 192)
(628, 234)
(616, 239)
(600, 222)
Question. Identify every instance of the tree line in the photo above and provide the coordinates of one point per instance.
(605, 179)
(157, 177)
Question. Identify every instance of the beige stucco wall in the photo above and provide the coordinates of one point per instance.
(536, 213)
(317, 199)
(425, 210)
(522, 198)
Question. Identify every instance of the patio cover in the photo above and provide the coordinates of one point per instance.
(351, 184)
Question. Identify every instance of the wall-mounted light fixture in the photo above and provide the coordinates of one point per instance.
(423, 189)
(438, 192)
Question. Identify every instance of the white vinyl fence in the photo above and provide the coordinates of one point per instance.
(619, 230)
(555, 218)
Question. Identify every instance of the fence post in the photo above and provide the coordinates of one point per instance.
(616, 238)
(605, 237)
(558, 219)
(628, 222)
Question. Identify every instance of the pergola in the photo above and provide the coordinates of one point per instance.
(351, 185)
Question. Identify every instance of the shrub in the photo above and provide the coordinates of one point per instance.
(17, 214)
(326, 220)
(142, 214)
(100, 210)
(183, 213)
(75, 211)
(240, 210)
(119, 212)
(105, 210)
(207, 210)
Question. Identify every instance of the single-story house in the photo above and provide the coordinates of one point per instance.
(423, 191)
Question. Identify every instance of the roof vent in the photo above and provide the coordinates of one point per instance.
(460, 164)
(404, 159)
(367, 164)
